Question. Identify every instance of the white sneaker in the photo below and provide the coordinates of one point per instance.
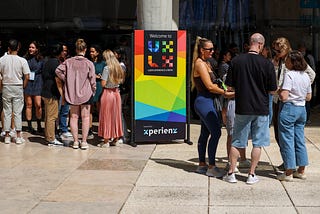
(75, 145)
(103, 145)
(84, 145)
(13, 133)
(252, 179)
(284, 177)
(55, 142)
(245, 164)
(66, 134)
(120, 141)
(236, 170)
(3, 133)
(302, 176)
(230, 178)
(7, 140)
(20, 140)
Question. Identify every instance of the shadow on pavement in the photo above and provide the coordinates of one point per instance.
(264, 169)
(179, 164)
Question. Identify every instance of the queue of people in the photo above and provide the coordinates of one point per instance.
(251, 82)
(237, 92)
(68, 88)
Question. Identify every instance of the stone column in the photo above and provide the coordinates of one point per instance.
(157, 14)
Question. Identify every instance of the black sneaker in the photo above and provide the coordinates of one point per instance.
(31, 130)
(39, 130)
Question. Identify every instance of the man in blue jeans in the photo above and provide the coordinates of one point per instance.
(63, 121)
(64, 133)
(252, 77)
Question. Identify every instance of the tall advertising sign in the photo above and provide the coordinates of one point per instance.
(159, 93)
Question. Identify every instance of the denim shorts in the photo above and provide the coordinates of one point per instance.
(258, 125)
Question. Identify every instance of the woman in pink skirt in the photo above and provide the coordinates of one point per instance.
(110, 124)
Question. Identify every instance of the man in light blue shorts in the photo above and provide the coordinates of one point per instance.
(252, 77)
(230, 115)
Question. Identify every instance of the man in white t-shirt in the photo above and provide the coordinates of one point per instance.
(14, 72)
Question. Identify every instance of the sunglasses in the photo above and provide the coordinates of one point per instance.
(208, 49)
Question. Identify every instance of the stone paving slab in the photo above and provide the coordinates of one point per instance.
(113, 164)
(265, 193)
(150, 207)
(8, 206)
(168, 196)
(123, 151)
(76, 207)
(29, 183)
(304, 193)
(103, 177)
(251, 210)
(78, 193)
(308, 210)
(162, 174)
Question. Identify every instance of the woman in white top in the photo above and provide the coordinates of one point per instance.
(110, 123)
(294, 92)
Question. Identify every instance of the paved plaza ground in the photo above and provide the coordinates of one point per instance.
(151, 178)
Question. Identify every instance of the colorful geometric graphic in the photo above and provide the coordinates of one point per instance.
(167, 62)
(167, 46)
(160, 98)
(160, 101)
(154, 48)
(160, 53)
(151, 63)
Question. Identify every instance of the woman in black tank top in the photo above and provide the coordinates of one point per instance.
(204, 80)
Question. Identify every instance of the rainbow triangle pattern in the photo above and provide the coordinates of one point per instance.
(160, 98)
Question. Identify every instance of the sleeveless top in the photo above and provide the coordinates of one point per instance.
(203, 91)
(200, 85)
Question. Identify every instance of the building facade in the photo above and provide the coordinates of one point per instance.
(223, 21)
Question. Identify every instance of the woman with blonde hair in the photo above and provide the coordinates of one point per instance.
(203, 79)
(110, 124)
(281, 47)
(79, 85)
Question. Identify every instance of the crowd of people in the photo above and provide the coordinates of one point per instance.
(245, 92)
(69, 89)
(248, 92)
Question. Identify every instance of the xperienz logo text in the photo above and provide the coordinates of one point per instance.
(160, 131)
